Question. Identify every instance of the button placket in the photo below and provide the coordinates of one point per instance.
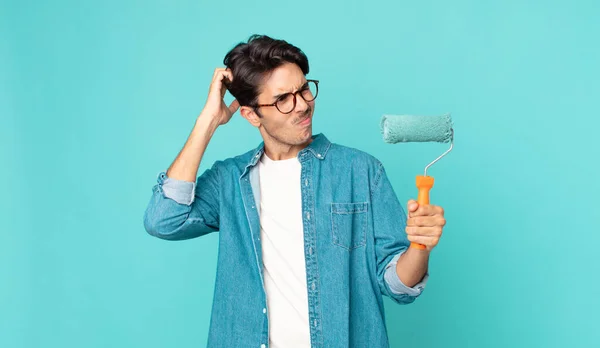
(310, 242)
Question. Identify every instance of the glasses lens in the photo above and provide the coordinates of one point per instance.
(310, 93)
(286, 103)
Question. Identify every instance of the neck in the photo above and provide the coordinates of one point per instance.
(277, 150)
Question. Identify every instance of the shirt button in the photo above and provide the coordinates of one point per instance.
(308, 215)
(310, 251)
(262, 346)
(305, 182)
(315, 322)
(313, 286)
(264, 310)
(319, 155)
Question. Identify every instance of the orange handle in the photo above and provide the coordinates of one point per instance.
(424, 184)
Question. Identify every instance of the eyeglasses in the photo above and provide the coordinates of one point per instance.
(286, 103)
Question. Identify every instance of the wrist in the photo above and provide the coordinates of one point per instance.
(207, 121)
(417, 255)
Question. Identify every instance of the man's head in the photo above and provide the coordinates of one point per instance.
(266, 74)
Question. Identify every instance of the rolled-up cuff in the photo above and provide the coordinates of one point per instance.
(396, 285)
(180, 191)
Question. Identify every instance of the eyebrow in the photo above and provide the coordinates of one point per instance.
(281, 94)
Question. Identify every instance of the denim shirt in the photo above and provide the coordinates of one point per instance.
(354, 232)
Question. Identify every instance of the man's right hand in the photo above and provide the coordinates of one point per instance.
(215, 105)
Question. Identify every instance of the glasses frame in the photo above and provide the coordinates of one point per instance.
(294, 95)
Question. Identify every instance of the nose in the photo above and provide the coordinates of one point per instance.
(301, 104)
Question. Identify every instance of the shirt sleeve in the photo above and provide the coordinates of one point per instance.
(396, 285)
(182, 210)
(180, 191)
(390, 240)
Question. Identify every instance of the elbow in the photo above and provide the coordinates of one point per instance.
(151, 225)
(162, 230)
(166, 219)
(162, 223)
(156, 227)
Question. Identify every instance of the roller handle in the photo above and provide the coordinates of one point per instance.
(424, 184)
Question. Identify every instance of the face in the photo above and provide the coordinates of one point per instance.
(294, 128)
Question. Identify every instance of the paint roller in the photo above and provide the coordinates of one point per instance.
(411, 128)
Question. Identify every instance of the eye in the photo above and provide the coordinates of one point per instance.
(284, 97)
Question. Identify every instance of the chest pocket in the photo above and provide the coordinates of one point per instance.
(349, 224)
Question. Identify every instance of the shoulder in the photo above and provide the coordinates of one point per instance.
(236, 163)
(353, 156)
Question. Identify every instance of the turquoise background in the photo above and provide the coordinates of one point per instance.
(97, 99)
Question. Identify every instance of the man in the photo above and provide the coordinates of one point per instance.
(311, 233)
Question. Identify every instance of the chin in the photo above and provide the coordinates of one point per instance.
(306, 135)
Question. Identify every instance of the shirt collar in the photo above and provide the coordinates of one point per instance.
(318, 148)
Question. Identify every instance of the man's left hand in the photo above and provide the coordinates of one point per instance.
(425, 224)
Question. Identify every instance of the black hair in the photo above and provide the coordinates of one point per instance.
(251, 63)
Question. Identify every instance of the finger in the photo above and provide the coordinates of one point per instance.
(414, 231)
(426, 221)
(427, 241)
(428, 210)
(217, 83)
(217, 72)
(219, 75)
(412, 205)
(234, 106)
(226, 78)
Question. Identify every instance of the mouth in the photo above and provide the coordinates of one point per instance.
(304, 122)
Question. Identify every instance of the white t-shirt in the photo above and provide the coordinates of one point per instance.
(282, 240)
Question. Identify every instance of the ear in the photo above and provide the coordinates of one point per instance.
(250, 115)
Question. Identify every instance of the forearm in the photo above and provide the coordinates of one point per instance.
(412, 266)
(185, 166)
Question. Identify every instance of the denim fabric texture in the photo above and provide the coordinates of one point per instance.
(354, 233)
